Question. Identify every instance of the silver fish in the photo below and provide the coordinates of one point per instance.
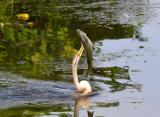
(86, 42)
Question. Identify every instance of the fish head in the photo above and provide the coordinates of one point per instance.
(83, 37)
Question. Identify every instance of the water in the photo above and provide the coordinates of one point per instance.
(35, 62)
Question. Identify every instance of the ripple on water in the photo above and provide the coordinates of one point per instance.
(16, 90)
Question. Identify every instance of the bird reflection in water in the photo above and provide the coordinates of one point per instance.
(82, 103)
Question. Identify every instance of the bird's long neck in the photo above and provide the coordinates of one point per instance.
(74, 72)
(75, 66)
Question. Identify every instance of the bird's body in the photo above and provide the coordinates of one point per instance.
(83, 86)
(86, 86)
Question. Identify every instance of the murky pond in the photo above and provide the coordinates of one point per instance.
(38, 41)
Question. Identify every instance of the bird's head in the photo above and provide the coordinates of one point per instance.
(77, 56)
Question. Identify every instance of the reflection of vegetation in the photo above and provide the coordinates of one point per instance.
(109, 104)
(65, 115)
(113, 31)
(32, 111)
(52, 34)
(118, 86)
(29, 48)
(113, 72)
(116, 74)
(2, 85)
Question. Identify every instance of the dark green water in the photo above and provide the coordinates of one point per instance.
(35, 60)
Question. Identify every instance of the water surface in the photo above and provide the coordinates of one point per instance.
(35, 60)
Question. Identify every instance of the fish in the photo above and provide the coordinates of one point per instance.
(87, 43)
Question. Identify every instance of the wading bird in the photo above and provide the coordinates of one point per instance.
(82, 86)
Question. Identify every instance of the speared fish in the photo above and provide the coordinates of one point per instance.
(86, 42)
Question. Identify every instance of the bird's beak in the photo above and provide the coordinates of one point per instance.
(79, 53)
